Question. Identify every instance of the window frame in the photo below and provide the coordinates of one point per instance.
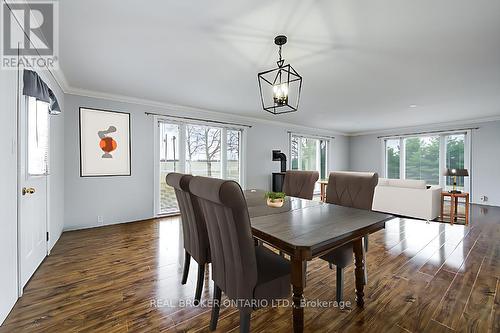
(442, 155)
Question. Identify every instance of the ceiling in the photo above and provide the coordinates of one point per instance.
(363, 62)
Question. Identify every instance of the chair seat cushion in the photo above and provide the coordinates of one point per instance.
(273, 281)
(341, 257)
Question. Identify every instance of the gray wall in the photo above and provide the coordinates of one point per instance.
(366, 155)
(125, 199)
(486, 163)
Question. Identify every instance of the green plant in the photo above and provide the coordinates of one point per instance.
(275, 195)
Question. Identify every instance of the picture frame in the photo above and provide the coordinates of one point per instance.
(105, 143)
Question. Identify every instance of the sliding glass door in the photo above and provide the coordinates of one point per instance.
(426, 157)
(422, 159)
(197, 149)
(169, 162)
(309, 154)
(233, 167)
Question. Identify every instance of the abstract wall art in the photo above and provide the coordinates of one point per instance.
(104, 143)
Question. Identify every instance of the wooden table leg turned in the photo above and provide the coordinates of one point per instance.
(298, 284)
(359, 271)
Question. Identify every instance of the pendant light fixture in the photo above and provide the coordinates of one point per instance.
(280, 87)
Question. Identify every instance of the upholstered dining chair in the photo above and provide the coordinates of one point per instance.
(300, 184)
(350, 189)
(193, 228)
(246, 273)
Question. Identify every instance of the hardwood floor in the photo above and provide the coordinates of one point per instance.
(127, 278)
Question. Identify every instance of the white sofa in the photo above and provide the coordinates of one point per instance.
(407, 197)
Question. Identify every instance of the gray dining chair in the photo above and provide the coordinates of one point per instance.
(244, 272)
(300, 184)
(193, 228)
(350, 189)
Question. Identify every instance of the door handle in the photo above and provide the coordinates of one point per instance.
(29, 190)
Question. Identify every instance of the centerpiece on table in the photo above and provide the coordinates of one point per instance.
(275, 199)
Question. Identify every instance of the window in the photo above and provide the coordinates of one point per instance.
(455, 158)
(169, 162)
(233, 155)
(197, 149)
(422, 159)
(203, 151)
(392, 158)
(426, 157)
(38, 137)
(309, 154)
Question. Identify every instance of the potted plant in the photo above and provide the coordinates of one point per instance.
(275, 199)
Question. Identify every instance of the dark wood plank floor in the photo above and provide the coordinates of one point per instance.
(126, 278)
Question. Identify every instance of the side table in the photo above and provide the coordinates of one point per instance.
(454, 205)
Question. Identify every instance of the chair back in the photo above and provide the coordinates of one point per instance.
(351, 189)
(300, 184)
(234, 264)
(193, 224)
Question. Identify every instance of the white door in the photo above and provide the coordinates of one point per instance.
(34, 143)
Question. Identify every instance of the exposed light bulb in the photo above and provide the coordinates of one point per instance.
(284, 89)
(280, 94)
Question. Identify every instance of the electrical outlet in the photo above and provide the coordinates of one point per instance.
(100, 219)
(483, 198)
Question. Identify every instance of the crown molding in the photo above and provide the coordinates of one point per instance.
(189, 109)
(432, 126)
(61, 79)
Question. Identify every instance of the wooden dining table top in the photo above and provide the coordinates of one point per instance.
(311, 226)
(305, 229)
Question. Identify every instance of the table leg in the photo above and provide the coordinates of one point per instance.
(467, 209)
(359, 270)
(298, 284)
(442, 207)
(452, 210)
(323, 192)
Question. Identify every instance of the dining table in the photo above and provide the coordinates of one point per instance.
(307, 229)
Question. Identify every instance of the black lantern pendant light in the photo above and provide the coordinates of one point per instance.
(280, 87)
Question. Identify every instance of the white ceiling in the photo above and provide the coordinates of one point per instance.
(363, 62)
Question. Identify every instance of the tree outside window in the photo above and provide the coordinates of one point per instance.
(203, 147)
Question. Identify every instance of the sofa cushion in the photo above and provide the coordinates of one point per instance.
(407, 183)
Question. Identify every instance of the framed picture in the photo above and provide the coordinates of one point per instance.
(104, 143)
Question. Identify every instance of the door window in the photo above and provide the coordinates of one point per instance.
(38, 137)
